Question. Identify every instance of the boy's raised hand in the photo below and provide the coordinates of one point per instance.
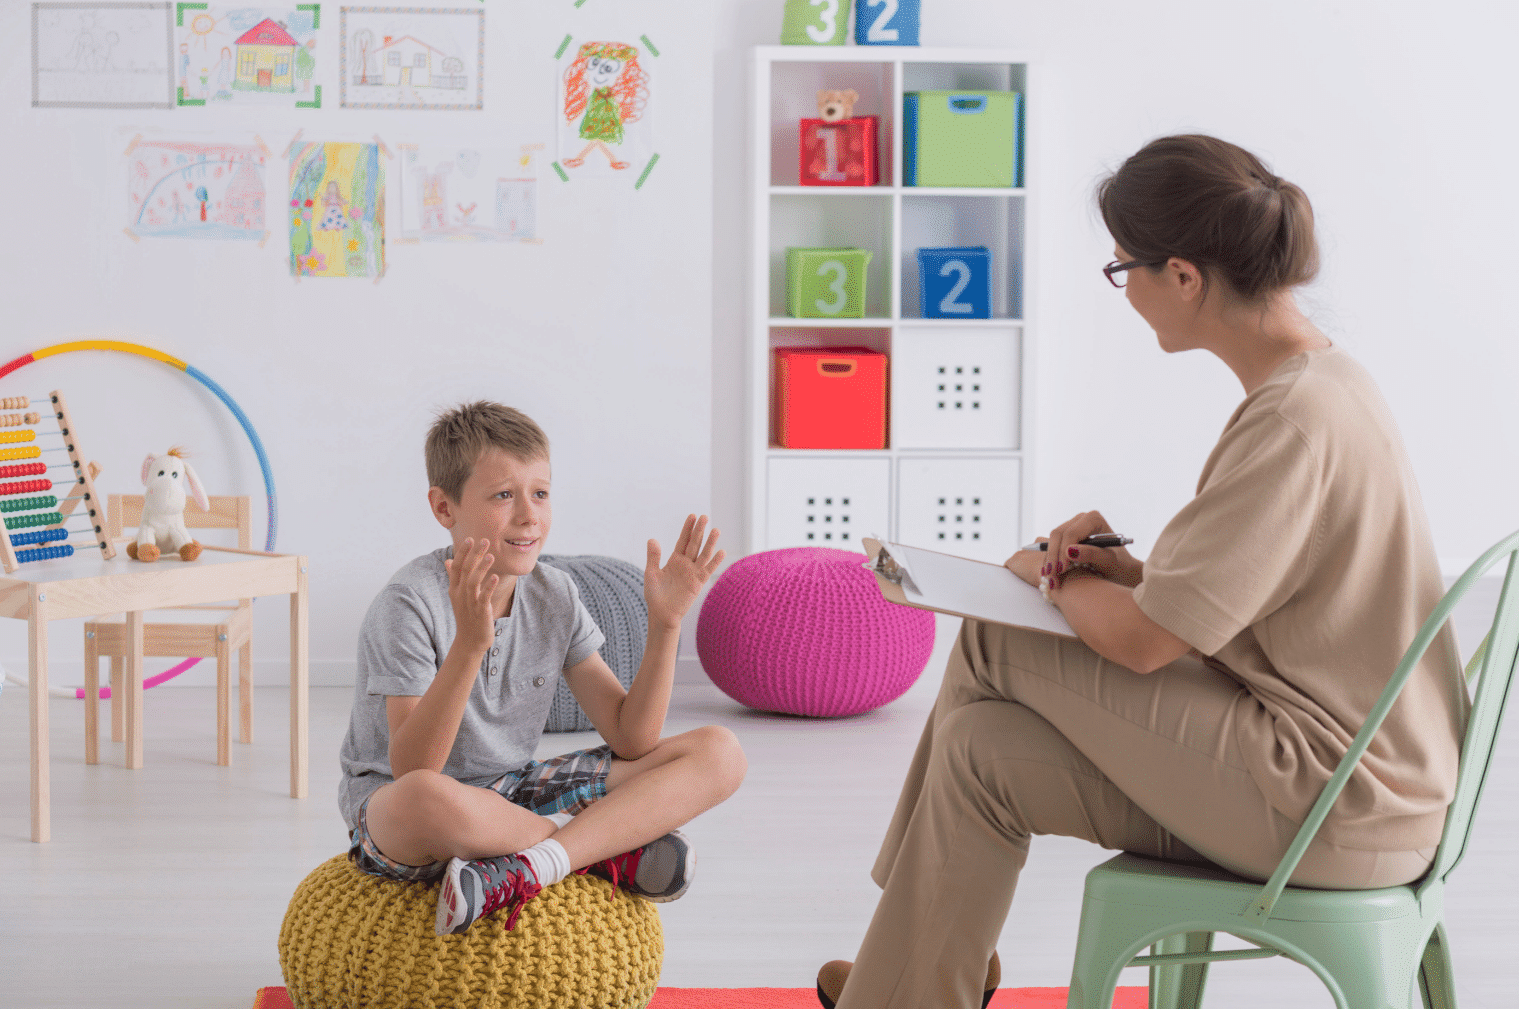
(470, 590)
(671, 590)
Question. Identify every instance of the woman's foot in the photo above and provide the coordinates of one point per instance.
(835, 972)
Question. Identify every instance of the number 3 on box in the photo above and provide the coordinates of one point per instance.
(823, 32)
(877, 32)
(836, 285)
(951, 303)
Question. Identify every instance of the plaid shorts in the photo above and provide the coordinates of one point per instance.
(564, 784)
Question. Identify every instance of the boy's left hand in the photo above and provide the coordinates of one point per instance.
(671, 590)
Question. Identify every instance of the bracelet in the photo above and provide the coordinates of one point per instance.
(1044, 582)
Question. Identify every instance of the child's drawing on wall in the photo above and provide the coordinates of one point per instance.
(337, 210)
(191, 189)
(237, 55)
(411, 57)
(606, 92)
(452, 194)
(107, 55)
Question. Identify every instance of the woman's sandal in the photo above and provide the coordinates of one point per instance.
(835, 972)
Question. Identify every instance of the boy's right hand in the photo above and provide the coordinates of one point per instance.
(471, 589)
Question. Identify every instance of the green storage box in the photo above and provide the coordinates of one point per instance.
(826, 283)
(962, 138)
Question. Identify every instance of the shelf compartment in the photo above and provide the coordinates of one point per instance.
(958, 505)
(801, 333)
(793, 97)
(930, 221)
(826, 501)
(818, 221)
(953, 388)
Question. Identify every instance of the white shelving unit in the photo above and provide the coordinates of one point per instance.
(955, 474)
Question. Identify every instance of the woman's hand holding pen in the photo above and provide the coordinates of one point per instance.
(1065, 550)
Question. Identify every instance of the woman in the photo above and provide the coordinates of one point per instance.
(1216, 684)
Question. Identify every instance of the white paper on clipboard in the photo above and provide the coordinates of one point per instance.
(964, 587)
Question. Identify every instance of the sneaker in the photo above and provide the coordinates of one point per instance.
(660, 871)
(472, 890)
(835, 972)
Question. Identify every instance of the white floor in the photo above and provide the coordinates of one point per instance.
(165, 887)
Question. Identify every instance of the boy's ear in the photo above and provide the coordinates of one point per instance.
(443, 509)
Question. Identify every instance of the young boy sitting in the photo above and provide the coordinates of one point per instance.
(459, 659)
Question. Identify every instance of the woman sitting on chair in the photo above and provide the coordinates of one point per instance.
(1216, 684)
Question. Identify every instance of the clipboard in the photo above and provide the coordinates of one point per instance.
(961, 587)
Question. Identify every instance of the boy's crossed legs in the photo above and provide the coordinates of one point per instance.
(425, 818)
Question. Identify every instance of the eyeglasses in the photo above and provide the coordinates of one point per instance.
(1115, 270)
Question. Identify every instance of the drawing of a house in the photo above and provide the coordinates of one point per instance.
(409, 62)
(265, 58)
(243, 202)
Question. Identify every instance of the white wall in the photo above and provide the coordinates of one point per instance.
(620, 341)
(601, 333)
(1379, 110)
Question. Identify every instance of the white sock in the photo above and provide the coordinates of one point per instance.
(550, 861)
(559, 819)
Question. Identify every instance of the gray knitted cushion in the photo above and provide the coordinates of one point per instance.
(612, 590)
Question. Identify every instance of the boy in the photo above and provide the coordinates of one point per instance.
(459, 658)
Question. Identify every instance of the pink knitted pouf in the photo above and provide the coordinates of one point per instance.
(805, 631)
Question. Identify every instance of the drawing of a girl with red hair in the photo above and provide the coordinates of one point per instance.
(607, 84)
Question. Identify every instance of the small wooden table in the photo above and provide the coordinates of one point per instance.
(88, 586)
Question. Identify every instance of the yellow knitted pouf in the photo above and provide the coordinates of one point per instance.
(354, 941)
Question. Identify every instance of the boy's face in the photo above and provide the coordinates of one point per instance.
(505, 502)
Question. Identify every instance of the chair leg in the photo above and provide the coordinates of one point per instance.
(1180, 987)
(118, 703)
(223, 702)
(1437, 982)
(91, 699)
(245, 689)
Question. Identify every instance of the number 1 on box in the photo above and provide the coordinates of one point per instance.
(888, 11)
(836, 285)
(951, 303)
(830, 139)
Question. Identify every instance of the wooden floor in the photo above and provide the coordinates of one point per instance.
(165, 887)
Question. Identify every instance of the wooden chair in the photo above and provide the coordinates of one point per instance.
(213, 632)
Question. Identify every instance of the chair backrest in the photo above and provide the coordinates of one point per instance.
(1496, 657)
(226, 512)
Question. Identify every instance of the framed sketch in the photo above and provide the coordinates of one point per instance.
(411, 57)
(102, 56)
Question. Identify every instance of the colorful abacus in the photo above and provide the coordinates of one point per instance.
(45, 514)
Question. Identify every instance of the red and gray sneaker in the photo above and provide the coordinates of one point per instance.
(472, 890)
(660, 871)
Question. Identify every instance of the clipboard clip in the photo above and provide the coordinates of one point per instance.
(887, 567)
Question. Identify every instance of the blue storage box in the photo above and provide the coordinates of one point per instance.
(886, 23)
(955, 282)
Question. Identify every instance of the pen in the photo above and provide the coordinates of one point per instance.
(1095, 540)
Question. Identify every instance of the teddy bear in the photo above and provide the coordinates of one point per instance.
(836, 105)
(164, 479)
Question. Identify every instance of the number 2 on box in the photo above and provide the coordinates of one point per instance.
(836, 285)
(830, 139)
(829, 20)
(888, 11)
(951, 303)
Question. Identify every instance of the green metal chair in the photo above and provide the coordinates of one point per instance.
(1369, 947)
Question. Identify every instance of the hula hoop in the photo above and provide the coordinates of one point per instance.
(138, 349)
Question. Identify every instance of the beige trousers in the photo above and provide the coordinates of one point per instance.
(1034, 734)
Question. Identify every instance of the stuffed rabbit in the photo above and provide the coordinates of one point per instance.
(163, 507)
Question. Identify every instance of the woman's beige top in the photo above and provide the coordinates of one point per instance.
(1303, 568)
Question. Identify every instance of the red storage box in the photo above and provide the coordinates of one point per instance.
(841, 153)
(830, 397)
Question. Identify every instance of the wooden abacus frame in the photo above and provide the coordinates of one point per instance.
(84, 477)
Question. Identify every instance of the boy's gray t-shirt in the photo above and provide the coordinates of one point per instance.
(406, 635)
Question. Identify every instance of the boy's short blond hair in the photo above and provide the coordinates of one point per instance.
(458, 437)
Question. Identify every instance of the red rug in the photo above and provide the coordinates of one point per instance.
(799, 998)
